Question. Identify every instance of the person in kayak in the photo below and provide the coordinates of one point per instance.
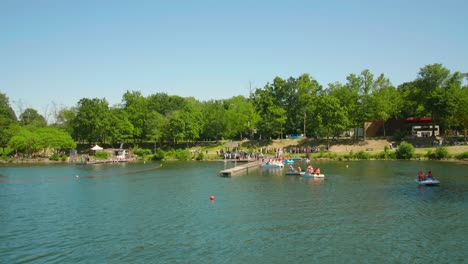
(421, 176)
(429, 176)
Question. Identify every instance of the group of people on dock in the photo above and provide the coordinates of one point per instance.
(422, 177)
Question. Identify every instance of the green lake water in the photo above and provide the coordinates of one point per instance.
(362, 212)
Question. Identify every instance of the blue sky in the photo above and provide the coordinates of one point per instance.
(57, 52)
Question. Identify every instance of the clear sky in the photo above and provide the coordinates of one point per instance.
(57, 52)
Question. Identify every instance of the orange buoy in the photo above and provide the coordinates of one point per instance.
(212, 197)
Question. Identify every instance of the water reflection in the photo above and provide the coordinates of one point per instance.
(315, 181)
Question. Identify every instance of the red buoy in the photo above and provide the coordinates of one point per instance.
(212, 197)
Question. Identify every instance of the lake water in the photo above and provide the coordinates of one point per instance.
(362, 212)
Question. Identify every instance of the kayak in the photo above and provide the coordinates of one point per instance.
(295, 173)
(288, 161)
(428, 182)
(314, 175)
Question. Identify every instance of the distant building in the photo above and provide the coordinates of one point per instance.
(411, 126)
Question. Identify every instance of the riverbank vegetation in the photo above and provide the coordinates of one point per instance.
(171, 124)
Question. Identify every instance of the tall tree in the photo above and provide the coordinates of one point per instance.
(120, 128)
(331, 116)
(215, 122)
(348, 96)
(272, 116)
(92, 120)
(32, 117)
(412, 97)
(136, 105)
(385, 101)
(432, 81)
(64, 119)
(240, 117)
(7, 117)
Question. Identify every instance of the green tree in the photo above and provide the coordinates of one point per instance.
(385, 101)
(165, 104)
(7, 117)
(308, 90)
(53, 138)
(25, 141)
(268, 104)
(175, 127)
(32, 117)
(411, 96)
(405, 151)
(331, 116)
(156, 124)
(120, 128)
(193, 119)
(136, 105)
(460, 117)
(240, 117)
(215, 122)
(92, 120)
(432, 81)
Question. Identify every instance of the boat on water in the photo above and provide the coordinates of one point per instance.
(295, 173)
(314, 175)
(428, 182)
(272, 165)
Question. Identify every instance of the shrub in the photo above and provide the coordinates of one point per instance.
(142, 152)
(405, 151)
(439, 153)
(54, 156)
(159, 155)
(463, 155)
(442, 152)
(64, 158)
(182, 154)
(382, 155)
(200, 156)
(349, 156)
(362, 155)
(101, 155)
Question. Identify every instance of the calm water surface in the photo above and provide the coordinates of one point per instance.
(362, 212)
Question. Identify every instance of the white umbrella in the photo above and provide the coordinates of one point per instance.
(97, 147)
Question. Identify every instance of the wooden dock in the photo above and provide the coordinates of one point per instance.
(94, 162)
(240, 168)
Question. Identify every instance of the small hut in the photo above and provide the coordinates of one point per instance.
(231, 144)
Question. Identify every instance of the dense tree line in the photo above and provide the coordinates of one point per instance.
(285, 106)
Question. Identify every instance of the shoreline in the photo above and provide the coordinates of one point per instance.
(45, 161)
